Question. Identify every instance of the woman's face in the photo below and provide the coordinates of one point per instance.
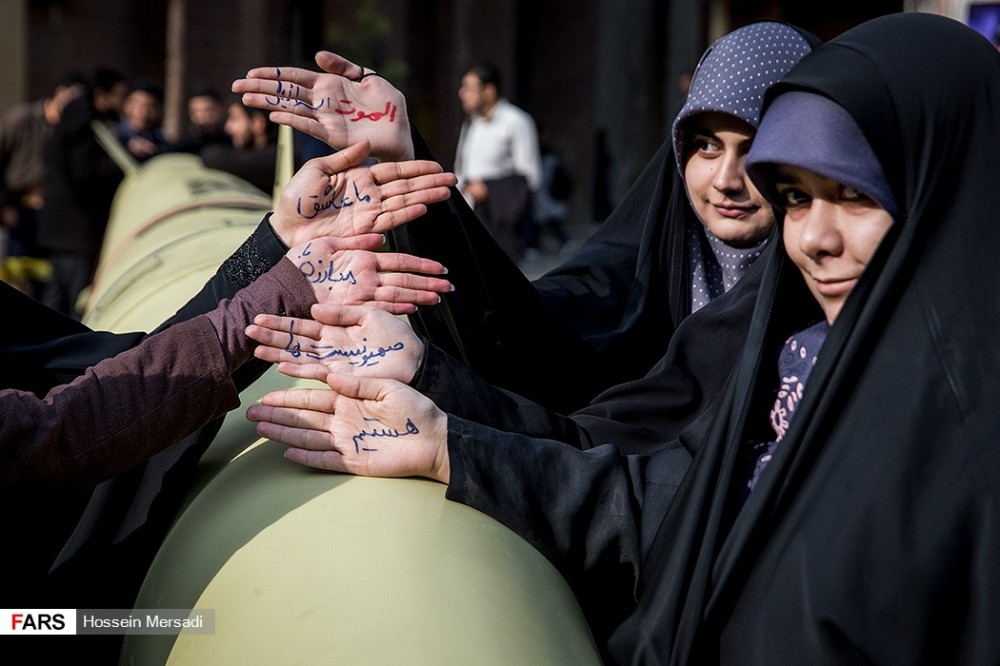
(831, 231)
(715, 147)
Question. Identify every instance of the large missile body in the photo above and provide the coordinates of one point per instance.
(301, 566)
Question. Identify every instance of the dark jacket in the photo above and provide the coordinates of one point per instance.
(80, 183)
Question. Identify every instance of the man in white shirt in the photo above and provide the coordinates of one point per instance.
(497, 162)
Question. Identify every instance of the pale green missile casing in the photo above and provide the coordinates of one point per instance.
(171, 225)
(300, 566)
(303, 567)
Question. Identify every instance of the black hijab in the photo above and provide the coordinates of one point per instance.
(874, 533)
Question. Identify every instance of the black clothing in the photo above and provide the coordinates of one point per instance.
(79, 183)
(874, 534)
(606, 315)
(591, 324)
(592, 524)
(638, 416)
(254, 165)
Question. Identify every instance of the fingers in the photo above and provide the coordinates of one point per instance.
(414, 282)
(318, 400)
(304, 370)
(395, 261)
(301, 120)
(295, 427)
(278, 354)
(280, 339)
(390, 220)
(273, 327)
(384, 172)
(268, 76)
(327, 460)
(360, 388)
(336, 315)
(394, 188)
(342, 160)
(408, 207)
(400, 295)
(398, 308)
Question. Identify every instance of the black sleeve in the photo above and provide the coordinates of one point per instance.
(584, 510)
(455, 389)
(41, 348)
(691, 375)
(262, 250)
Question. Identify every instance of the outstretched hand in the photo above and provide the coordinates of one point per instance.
(363, 341)
(339, 106)
(365, 426)
(395, 282)
(334, 195)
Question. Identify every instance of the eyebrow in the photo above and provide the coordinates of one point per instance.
(695, 130)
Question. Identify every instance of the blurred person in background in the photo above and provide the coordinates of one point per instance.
(252, 148)
(79, 184)
(551, 202)
(22, 137)
(141, 126)
(206, 121)
(497, 160)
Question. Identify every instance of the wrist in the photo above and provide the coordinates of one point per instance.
(419, 353)
(402, 148)
(442, 463)
(282, 229)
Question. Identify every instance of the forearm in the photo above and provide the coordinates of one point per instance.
(127, 408)
(262, 250)
(282, 291)
(120, 412)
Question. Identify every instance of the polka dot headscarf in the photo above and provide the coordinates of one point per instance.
(732, 78)
(736, 71)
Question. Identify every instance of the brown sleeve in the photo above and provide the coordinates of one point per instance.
(283, 290)
(123, 410)
(129, 407)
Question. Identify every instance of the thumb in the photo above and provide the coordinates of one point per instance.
(338, 315)
(342, 160)
(359, 388)
(332, 63)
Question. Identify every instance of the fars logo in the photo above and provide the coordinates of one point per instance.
(37, 621)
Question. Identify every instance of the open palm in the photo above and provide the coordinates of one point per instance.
(364, 341)
(340, 106)
(365, 426)
(335, 195)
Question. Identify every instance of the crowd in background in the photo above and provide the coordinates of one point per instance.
(58, 182)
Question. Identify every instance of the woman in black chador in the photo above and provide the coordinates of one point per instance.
(843, 501)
